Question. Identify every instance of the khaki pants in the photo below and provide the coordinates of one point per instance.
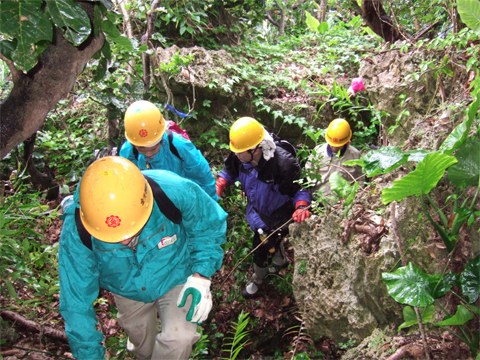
(139, 320)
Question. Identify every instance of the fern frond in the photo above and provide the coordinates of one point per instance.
(235, 344)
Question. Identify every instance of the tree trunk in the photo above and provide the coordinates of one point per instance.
(34, 94)
(377, 20)
(40, 181)
(323, 11)
(283, 15)
(128, 26)
(146, 40)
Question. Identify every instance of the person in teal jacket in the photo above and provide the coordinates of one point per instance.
(149, 146)
(150, 263)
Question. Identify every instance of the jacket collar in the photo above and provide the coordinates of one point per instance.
(330, 153)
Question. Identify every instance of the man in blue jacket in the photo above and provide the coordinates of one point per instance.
(150, 263)
(268, 174)
(150, 146)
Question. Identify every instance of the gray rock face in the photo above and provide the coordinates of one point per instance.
(339, 284)
(387, 75)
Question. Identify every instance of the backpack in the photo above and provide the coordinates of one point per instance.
(166, 206)
(286, 145)
(173, 149)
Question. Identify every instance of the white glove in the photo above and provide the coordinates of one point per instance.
(199, 288)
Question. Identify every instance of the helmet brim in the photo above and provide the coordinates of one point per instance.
(339, 143)
(123, 233)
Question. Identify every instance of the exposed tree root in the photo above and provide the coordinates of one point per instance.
(33, 327)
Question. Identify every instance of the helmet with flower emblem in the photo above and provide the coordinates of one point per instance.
(144, 124)
(245, 134)
(338, 133)
(115, 199)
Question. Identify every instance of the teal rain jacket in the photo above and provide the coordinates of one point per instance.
(165, 256)
(192, 166)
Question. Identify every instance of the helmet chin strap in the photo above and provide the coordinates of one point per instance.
(251, 152)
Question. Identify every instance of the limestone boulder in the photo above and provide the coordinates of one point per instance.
(339, 265)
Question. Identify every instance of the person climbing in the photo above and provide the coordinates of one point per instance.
(152, 238)
(268, 174)
(150, 146)
(327, 159)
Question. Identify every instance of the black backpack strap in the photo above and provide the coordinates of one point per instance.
(84, 234)
(166, 206)
(173, 149)
(135, 152)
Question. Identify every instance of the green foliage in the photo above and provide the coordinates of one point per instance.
(349, 344)
(353, 111)
(466, 171)
(176, 63)
(430, 169)
(425, 177)
(470, 280)
(469, 11)
(410, 285)
(386, 159)
(69, 15)
(28, 26)
(282, 283)
(117, 347)
(302, 267)
(27, 263)
(200, 348)
(343, 189)
(68, 140)
(235, 342)
(411, 318)
(459, 135)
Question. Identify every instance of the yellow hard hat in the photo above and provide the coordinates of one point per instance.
(144, 124)
(115, 199)
(245, 134)
(338, 133)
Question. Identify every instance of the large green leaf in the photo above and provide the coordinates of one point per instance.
(383, 160)
(470, 280)
(312, 23)
(461, 317)
(339, 185)
(7, 48)
(427, 174)
(123, 41)
(467, 171)
(114, 35)
(28, 24)
(101, 70)
(411, 318)
(409, 285)
(107, 3)
(70, 15)
(110, 29)
(469, 11)
(458, 136)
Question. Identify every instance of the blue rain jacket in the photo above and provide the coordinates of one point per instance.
(142, 276)
(268, 186)
(192, 166)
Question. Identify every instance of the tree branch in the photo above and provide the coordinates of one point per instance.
(24, 110)
(270, 18)
(33, 327)
(16, 74)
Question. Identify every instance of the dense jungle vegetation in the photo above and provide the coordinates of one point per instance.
(69, 69)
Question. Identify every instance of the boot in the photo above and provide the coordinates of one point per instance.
(253, 287)
(279, 262)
